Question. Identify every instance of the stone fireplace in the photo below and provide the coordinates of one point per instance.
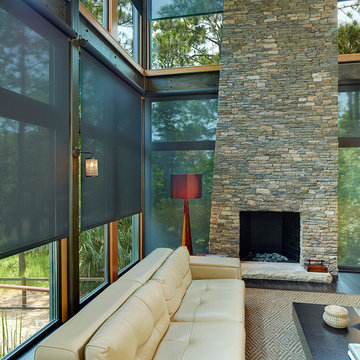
(276, 140)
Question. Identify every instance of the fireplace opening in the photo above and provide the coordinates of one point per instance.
(270, 236)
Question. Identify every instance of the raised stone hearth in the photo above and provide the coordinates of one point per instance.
(281, 271)
(276, 140)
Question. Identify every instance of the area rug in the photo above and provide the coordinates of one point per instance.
(270, 329)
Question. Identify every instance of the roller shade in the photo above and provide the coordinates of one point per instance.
(34, 122)
(111, 131)
(164, 9)
(139, 4)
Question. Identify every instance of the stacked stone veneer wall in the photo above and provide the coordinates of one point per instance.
(276, 140)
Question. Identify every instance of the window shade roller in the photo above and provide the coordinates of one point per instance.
(111, 131)
(139, 4)
(34, 113)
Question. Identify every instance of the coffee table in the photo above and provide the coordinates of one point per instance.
(320, 341)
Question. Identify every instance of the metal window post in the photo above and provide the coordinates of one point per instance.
(73, 243)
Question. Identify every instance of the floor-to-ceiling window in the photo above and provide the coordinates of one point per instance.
(34, 132)
(349, 137)
(182, 141)
(349, 175)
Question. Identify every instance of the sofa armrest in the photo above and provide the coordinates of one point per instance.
(214, 267)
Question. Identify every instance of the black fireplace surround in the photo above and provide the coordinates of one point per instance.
(270, 232)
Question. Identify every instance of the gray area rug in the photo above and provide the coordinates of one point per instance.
(270, 330)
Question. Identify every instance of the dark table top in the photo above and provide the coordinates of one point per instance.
(319, 340)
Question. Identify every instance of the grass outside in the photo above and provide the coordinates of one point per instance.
(37, 265)
(19, 323)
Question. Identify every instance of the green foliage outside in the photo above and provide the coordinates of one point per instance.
(10, 338)
(175, 42)
(125, 237)
(37, 265)
(349, 114)
(349, 181)
(92, 255)
(96, 8)
(186, 41)
(349, 206)
(125, 31)
(125, 15)
(348, 38)
(91, 259)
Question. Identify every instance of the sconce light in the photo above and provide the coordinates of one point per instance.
(91, 167)
(91, 164)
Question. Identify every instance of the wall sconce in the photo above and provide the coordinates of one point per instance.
(91, 167)
(91, 164)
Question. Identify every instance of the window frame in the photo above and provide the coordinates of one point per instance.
(54, 298)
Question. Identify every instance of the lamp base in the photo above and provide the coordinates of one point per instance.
(186, 236)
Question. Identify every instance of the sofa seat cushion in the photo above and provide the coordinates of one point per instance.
(203, 341)
(213, 300)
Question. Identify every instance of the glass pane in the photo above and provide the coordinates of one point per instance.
(127, 27)
(166, 219)
(24, 59)
(92, 259)
(348, 114)
(186, 41)
(27, 295)
(96, 8)
(349, 209)
(128, 240)
(161, 9)
(349, 27)
(184, 120)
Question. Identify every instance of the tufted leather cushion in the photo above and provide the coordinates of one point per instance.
(215, 267)
(203, 340)
(174, 276)
(145, 269)
(213, 300)
(135, 330)
(68, 342)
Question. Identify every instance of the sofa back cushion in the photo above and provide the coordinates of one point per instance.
(135, 330)
(146, 268)
(174, 276)
(69, 341)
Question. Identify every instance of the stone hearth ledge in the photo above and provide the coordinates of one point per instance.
(281, 271)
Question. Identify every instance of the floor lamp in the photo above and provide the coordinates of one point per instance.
(186, 186)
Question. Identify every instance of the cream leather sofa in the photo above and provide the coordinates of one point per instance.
(170, 306)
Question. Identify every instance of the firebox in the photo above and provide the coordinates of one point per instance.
(270, 236)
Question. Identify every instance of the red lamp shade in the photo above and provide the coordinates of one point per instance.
(186, 186)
